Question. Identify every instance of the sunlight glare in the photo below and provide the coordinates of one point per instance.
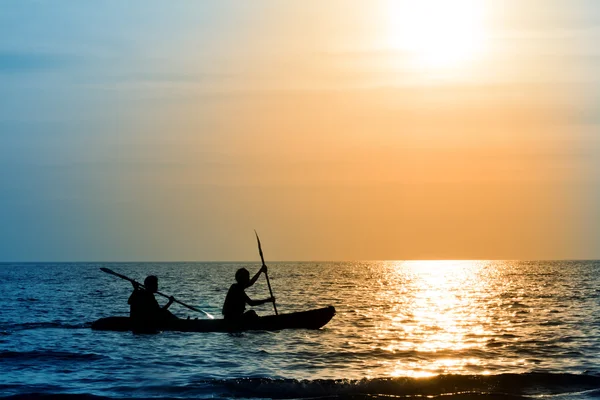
(437, 33)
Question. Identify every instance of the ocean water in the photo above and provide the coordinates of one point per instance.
(447, 329)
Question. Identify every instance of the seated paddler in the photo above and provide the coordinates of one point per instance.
(234, 307)
(145, 312)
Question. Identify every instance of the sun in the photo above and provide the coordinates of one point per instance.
(437, 33)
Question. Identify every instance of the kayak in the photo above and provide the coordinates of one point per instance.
(311, 319)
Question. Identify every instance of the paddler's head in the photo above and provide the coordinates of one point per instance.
(242, 276)
(151, 283)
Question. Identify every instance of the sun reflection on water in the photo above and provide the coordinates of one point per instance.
(436, 313)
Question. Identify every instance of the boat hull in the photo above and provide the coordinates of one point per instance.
(311, 319)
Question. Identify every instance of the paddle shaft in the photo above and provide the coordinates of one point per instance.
(110, 271)
(270, 291)
(262, 258)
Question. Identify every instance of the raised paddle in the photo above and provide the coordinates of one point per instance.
(110, 271)
(266, 275)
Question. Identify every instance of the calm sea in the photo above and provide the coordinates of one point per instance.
(448, 329)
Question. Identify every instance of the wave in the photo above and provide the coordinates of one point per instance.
(50, 396)
(39, 355)
(504, 386)
(70, 396)
(9, 327)
(27, 299)
(512, 385)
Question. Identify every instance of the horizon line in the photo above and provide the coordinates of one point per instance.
(293, 261)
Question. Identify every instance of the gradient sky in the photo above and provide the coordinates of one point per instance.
(340, 130)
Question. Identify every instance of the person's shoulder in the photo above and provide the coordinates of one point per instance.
(236, 287)
(138, 296)
(145, 294)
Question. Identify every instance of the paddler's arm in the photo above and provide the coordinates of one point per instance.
(255, 277)
(259, 302)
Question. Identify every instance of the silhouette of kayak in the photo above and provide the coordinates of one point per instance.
(311, 319)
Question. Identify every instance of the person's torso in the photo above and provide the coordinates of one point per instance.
(143, 304)
(235, 302)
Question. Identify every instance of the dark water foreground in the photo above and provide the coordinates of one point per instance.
(403, 329)
(505, 386)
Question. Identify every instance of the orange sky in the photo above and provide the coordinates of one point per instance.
(338, 130)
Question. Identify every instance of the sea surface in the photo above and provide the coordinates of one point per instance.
(403, 329)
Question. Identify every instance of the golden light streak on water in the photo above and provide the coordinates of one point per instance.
(435, 314)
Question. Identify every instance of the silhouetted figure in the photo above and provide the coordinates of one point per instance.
(145, 313)
(235, 303)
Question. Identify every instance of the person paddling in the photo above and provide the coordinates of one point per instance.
(234, 307)
(145, 313)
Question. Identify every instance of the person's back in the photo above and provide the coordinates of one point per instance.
(235, 302)
(145, 313)
(143, 305)
(236, 299)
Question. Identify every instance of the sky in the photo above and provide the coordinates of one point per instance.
(339, 130)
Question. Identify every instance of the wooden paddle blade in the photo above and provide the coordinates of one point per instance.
(187, 305)
(110, 271)
(262, 258)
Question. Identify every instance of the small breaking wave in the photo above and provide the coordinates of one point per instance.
(460, 386)
(501, 387)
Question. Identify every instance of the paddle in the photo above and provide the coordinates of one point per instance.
(266, 275)
(110, 271)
